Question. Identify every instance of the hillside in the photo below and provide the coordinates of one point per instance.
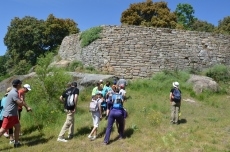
(204, 123)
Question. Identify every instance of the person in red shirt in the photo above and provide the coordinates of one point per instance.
(21, 93)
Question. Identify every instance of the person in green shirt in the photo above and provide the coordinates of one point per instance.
(95, 89)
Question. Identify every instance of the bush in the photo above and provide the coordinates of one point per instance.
(46, 90)
(219, 73)
(75, 65)
(90, 35)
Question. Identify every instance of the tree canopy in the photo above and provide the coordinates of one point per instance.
(185, 17)
(28, 38)
(149, 14)
(202, 26)
(224, 26)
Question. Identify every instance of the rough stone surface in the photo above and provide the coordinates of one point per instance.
(83, 79)
(136, 51)
(201, 83)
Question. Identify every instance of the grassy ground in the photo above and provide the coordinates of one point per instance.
(204, 124)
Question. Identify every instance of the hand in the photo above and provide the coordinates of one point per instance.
(73, 111)
(28, 109)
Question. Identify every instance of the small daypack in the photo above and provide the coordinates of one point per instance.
(177, 94)
(93, 105)
(70, 99)
(117, 103)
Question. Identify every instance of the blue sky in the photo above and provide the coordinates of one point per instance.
(90, 13)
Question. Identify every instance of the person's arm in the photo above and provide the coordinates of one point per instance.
(25, 105)
(61, 98)
(99, 106)
(171, 97)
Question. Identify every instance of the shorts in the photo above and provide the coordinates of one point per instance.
(9, 122)
(96, 118)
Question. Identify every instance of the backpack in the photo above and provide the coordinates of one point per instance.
(117, 103)
(93, 105)
(70, 99)
(177, 94)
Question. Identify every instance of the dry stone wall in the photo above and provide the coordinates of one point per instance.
(135, 51)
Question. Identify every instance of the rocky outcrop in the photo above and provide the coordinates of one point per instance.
(83, 79)
(137, 52)
(201, 83)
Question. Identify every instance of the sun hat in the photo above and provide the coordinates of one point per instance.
(8, 90)
(176, 84)
(27, 86)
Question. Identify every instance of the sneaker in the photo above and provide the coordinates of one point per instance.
(6, 134)
(11, 142)
(90, 136)
(62, 140)
(93, 137)
(17, 145)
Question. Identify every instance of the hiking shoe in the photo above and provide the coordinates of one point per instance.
(90, 137)
(11, 142)
(93, 137)
(70, 136)
(62, 140)
(17, 145)
(6, 134)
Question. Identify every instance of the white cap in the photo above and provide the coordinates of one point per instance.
(101, 80)
(27, 86)
(176, 84)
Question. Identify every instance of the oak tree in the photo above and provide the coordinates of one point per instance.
(149, 14)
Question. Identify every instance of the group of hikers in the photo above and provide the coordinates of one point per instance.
(107, 100)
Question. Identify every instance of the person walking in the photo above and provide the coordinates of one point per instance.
(3, 106)
(10, 115)
(97, 116)
(175, 101)
(115, 113)
(70, 111)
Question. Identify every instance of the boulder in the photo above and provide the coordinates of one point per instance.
(201, 83)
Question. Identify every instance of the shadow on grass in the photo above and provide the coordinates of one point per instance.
(128, 132)
(82, 131)
(183, 121)
(36, 139)
(102, 133)
(32, 129)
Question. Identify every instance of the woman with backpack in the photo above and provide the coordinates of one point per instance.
(175, 101)
(116, 113)
(96, 114)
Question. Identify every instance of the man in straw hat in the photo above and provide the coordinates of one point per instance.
(175, 101)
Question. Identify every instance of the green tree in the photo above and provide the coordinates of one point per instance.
(202, 26)
(184, 13)
(149, 14)
(3, 60)
(28, 38)
(224, 26)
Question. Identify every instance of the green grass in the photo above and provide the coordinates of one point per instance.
(204, 128)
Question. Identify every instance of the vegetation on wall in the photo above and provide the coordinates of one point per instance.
(90, 35)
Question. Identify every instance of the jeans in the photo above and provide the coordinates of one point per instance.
(117, 115)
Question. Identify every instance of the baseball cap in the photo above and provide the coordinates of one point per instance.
(101, 81)
(16, 82)
(27, 86)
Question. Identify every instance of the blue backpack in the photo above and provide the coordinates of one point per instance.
(177, 94)
(117, 103)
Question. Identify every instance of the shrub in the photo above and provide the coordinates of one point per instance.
(90, 35)
(46, 90)
(218, 73)
(75, 65)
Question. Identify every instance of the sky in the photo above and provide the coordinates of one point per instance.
(90, 13)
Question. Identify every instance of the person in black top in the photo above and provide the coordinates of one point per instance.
(70, 109)
(175, 101)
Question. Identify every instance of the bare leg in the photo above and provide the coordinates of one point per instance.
(16, 132)
(2, 131)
